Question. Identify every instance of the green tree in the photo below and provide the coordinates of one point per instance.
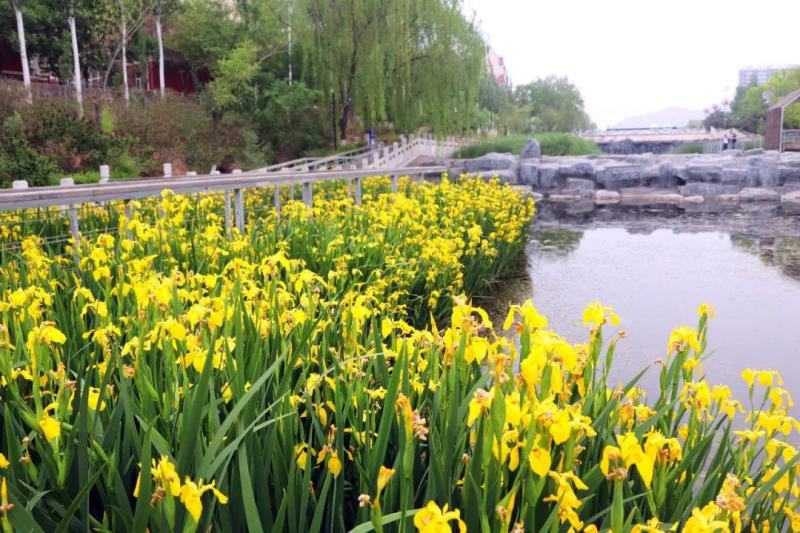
(411, 62)
(204, 32)
(781, 85)
(748, 108)
(553, 104)
(718, 117)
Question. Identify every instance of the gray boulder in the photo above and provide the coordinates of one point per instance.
(788, 174)
(606, 197)
(755, 194)
(580, 184)
(548, 176)
(490, 161)
(454, 170)
(532, 150)
(791, 197)
(528, 173)
(616, 177)
(761, 171)
(699, 188)
(705, 173)
(578, 169)
(734, 176)
(506, 175)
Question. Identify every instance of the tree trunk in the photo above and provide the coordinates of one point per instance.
(23, 52)
(76, 60)
(125, 63)
(160, 55)
(344, 118)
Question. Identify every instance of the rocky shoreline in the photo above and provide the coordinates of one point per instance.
(731, 177)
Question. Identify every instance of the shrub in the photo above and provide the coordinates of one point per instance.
(178, 131)
(55, 130)
(552, 144)
(688, 148)
(18, 159)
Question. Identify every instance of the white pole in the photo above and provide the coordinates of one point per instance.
(125, 60)
(160, 52)
(76, 60)
(291, 7)
(23, 51)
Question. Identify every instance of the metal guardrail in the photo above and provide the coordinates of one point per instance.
(71, 196)
(352, 166)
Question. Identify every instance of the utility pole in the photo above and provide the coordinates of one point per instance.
(333, 120)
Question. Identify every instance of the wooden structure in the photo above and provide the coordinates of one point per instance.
(774, 138)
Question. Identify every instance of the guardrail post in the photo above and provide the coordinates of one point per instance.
(307, 194)
(238, 206)
(277, 200)
(72, 213)
(358, 190)
(228, 214)
(105, 173)
(394, 182)
(167, 170)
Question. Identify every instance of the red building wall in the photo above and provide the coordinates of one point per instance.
(10, 63)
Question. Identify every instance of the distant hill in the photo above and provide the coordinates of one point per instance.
(671, 116)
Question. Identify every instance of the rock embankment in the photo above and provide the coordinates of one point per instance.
(733, 176)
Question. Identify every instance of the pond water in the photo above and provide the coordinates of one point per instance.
(654, 266)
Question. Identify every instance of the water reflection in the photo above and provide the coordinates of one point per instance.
(654, 265)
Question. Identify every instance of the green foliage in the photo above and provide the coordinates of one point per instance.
(178, 131)
(55, 129)
(203, 32)
(232, 85)
(290, 119)
(748, 109)
(413, 63)
(553, 104)
(781, 85)
(552, 144)
(689, 148)
(718, 118)
(19, 161)
(38, 140)
(565, 144)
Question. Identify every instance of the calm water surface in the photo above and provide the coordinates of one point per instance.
(655, 266)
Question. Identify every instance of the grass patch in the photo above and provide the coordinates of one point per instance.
(553, 144)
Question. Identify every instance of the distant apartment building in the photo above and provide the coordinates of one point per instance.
(497, 67)
(761, 75)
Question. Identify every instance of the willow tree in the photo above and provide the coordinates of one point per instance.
(413, 62)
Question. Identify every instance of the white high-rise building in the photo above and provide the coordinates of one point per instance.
(761, 75)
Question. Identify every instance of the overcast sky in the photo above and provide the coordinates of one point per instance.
(630, 57)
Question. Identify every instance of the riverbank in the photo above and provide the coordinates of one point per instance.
(731, 177)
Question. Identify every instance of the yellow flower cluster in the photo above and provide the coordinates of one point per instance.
(326, 371)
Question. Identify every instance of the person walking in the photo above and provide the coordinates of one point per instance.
(725, 142)
(733, 140)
